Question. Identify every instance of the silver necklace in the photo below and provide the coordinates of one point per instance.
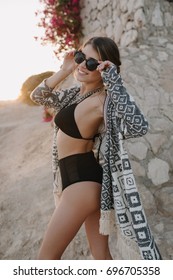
(89, 93)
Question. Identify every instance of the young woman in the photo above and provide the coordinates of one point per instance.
(92, 173)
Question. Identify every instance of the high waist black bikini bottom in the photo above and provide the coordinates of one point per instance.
(80, 167)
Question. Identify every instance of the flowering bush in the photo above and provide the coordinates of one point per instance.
(61, 22)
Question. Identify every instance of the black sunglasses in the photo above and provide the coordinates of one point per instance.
(91, 63)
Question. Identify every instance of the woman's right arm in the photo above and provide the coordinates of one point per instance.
(44, 93)
(132, 122)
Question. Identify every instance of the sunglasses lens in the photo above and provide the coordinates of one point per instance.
(79, 57)
(91, 64)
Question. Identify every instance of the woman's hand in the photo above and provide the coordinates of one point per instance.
(66, 69)
(69, 64)
(103, 65)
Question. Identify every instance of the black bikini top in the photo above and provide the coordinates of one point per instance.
(66, 122)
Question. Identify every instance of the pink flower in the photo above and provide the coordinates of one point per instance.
(51, 2)
(76, 10)
(74, 2)
(54, 21)
(68, 40)
(59, 21)
(62, 23)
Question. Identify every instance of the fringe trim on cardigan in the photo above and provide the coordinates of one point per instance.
(127, 248)
(107, 222)
(57, 187)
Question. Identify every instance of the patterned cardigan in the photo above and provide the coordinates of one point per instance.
(120, 201)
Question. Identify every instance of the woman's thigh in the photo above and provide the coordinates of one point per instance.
(77, 202)
(98, 242)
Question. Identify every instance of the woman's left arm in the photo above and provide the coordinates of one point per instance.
(132, 121)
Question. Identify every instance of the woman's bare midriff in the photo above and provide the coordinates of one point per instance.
(68, 145)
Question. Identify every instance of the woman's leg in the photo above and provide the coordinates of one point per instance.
(98, 243)
(77, 202)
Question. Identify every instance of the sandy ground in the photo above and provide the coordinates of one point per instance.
(26, 201)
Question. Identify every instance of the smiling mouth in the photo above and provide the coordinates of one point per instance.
(82, 72)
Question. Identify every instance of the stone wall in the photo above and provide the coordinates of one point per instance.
(159, 18)
(147, 73)
(127, 21)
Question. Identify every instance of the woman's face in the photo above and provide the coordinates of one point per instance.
(82, 74)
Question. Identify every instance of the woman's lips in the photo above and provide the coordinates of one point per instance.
(81, 72)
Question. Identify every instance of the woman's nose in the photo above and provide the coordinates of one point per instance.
(83, 64)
